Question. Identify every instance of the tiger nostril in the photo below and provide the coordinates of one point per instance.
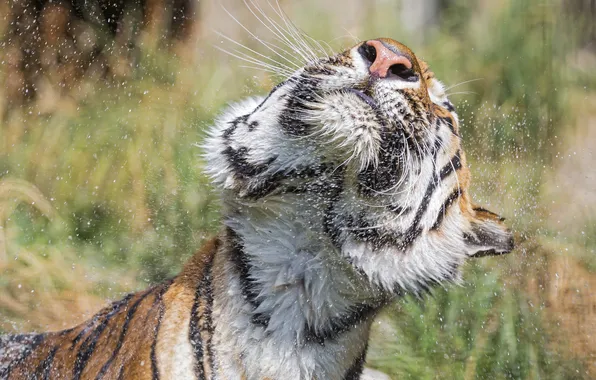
(368, 52)
(400, 70)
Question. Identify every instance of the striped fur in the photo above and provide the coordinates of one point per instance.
(124, 340)
(340, 192)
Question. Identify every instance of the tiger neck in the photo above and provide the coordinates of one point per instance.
(287, 291)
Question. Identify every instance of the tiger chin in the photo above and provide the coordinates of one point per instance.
(341, 190)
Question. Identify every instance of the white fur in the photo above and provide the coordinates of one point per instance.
(173, 347)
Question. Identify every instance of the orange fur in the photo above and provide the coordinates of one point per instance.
(120, 351)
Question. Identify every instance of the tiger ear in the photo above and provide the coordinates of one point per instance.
(488, 235)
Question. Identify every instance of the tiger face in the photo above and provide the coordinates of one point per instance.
(361, 152)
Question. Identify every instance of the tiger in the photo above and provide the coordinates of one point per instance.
(344, 188)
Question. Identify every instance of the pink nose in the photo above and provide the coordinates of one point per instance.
(385, 58)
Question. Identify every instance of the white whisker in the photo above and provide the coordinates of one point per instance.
(278, 33)
(263, 69)
(282, 65)
(249, 59)
(268, 45)
(294, 31)
(462, 93)
(460, 83)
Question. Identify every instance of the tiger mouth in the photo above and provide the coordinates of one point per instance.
(365, 97)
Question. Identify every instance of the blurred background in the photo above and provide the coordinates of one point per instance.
(102, 190)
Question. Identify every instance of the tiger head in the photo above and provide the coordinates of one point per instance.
(359, 153)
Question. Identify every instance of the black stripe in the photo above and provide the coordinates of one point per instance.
(88, 346)
(398, 209)
(242, 264)
(355, 370)
(331, 226)
(262, 189)
(443, 210)
(228, 132)
(291, 119)
(453, 165)
(482, 209)
(238, 160)
(96, 317)
(194, 335)
(45, 367)
(273, 90)
(33, 341)
(129, 315)
(411, 234)
(415, 230)
(319, 70)
(121, 373)
(377, 178)
(437, 145)
(66, 332)
(410, 102)
(449, 121)
(83, 331)
(331, 219)
(198, 323)
(342, 323)
(207, 317)
(481, 237)
(405, 239)
(159, 302)
(363, 231)
(275, 181)
(448, 106)
(319, 188)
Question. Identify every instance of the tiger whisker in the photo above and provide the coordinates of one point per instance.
(280, 33)
(294, 31)
(263, 69)
(462, 92)
(350, 34)
(464, 82)
(299, 33)
(268, 45)
(240, 55)
(282, 65)
(249, 59)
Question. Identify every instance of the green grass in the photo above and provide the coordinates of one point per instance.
(487, 328)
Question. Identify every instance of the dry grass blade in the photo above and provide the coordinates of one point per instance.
(12, 192)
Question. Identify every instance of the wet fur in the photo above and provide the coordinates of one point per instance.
(339, 193)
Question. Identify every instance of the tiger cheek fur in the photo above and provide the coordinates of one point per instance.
(343, 188)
